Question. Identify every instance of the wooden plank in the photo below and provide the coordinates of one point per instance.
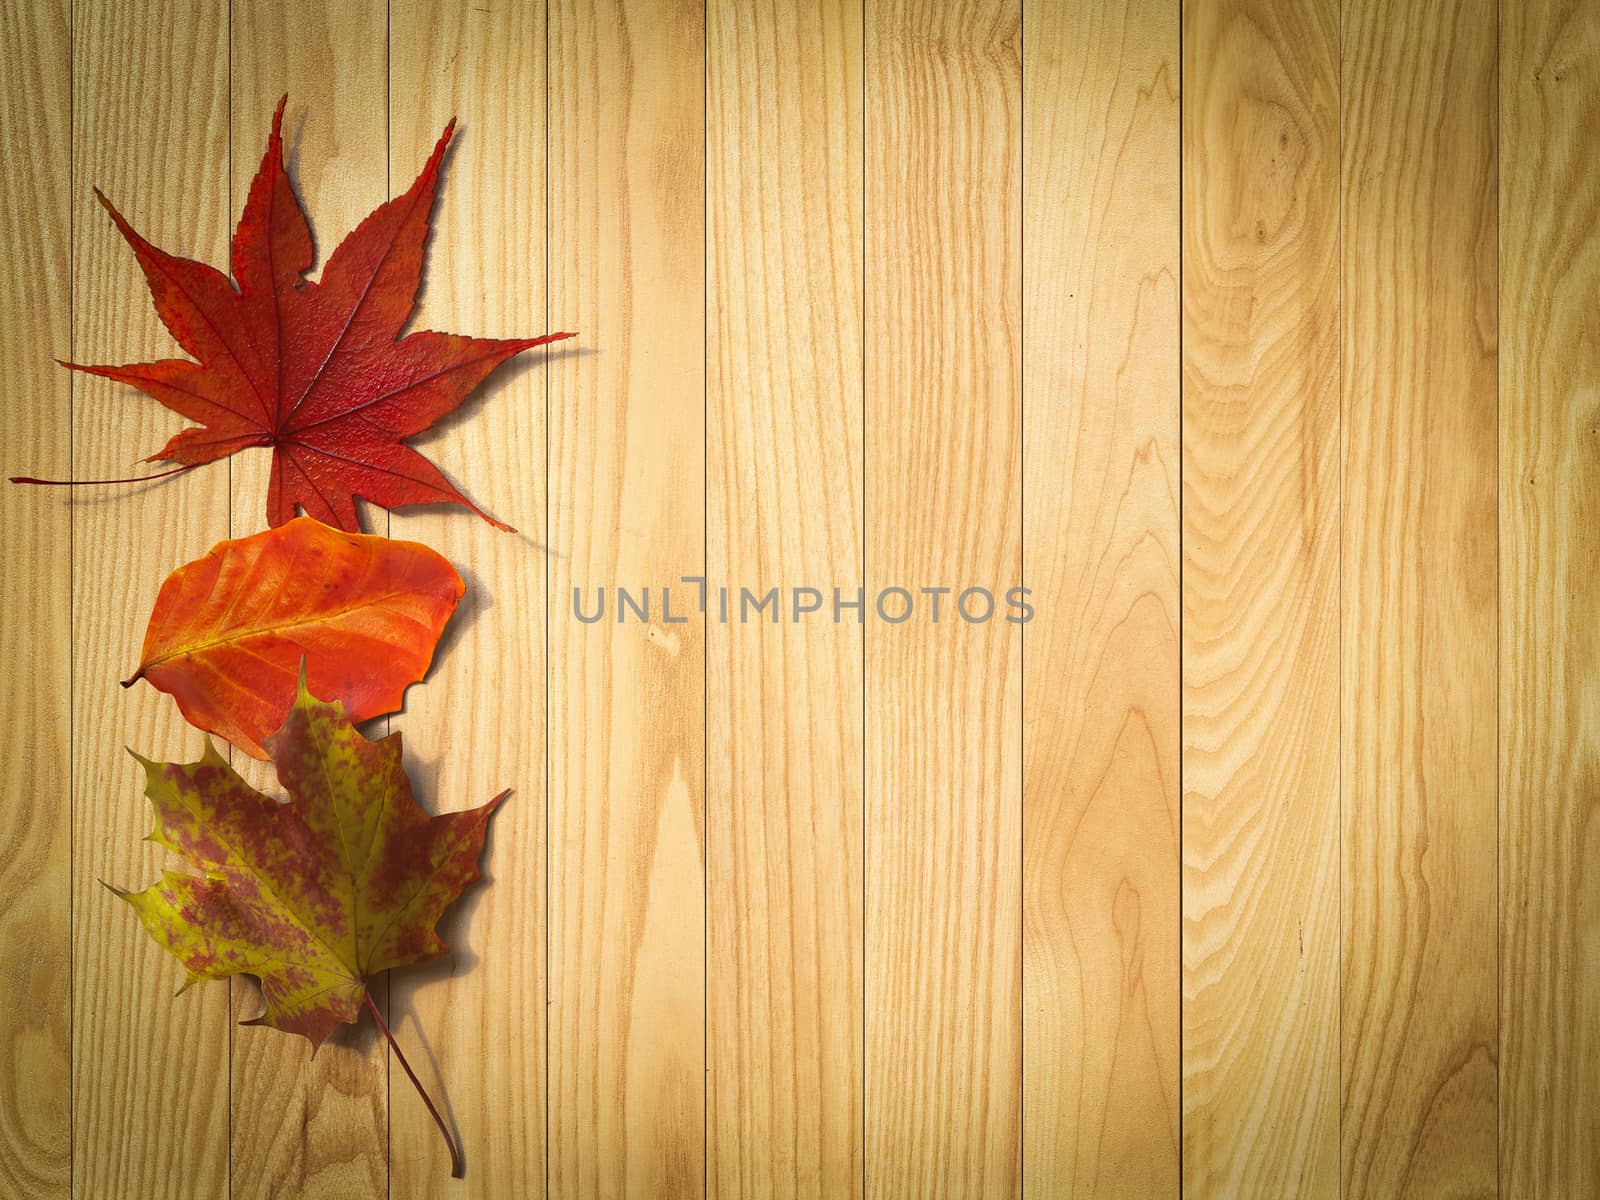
(626, 702)
(314, 1126)
(1100, 755)
(1419, 687)
(1260, 598)
(784, 128)
(150, 128)
(36, 636)
(1549, 276)
(943, 700)
(475, 1017)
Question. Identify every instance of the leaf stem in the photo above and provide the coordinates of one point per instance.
(455, 1155)
(94, 482)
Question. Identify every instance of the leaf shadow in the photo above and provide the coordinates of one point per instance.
(475, 601)
(358, 1039)
(294, 118)
(117, 493)
(500, 380)
(419, 1051)
(458, 959)
(503, 376)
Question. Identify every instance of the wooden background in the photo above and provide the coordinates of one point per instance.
(1258, 337)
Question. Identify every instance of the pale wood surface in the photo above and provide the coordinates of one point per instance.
(943, 700)
(1258, 865)
(1549, 555)
(627, 509)
(1100, 523)
(150, 129)
(36, 693)
(1261, 598)
(1418, 594)
(784, 502)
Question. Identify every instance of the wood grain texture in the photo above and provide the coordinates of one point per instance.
(1100, 754)
(150, 128)
(784, 799)
(1549, 279)
(626, 702)
(1260, 599)
(1250, 868)
(313, 1126)
(36, 636)
(472, 1022)
(1419, 609)
(943, 700)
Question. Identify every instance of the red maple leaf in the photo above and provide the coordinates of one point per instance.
(317, 371)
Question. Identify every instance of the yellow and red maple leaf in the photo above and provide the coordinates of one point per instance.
(313, 895)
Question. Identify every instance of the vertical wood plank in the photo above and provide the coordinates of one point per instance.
(626, 701)
(150, 128)
(476, 1017)
(1549, 278)
(36, 636)
(1419, 569)
(1260, 598)
(314, 1126)
(1100, 756)
(784, 125)
(943, 700)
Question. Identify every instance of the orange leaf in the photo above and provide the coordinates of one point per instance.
(229, 630)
